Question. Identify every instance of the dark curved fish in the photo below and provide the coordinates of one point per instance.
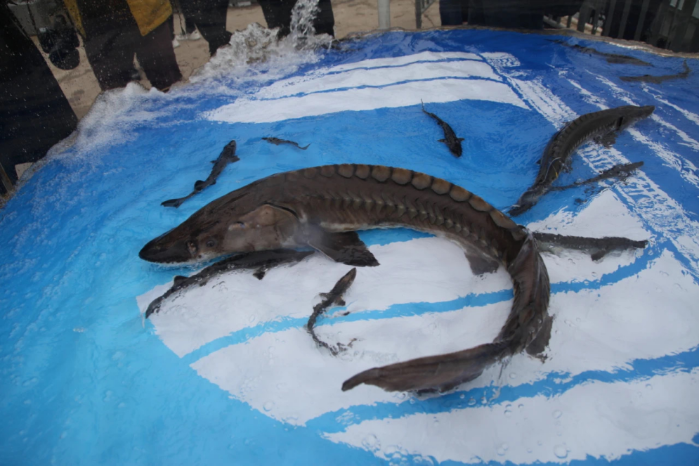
(612, 58)
(450, 139)
(597, 248)
(227, 156)
(332, 298)
(602, 127)
(277, 141)
(260, 261)
(322, 207)
(658, 79)
(620, 172)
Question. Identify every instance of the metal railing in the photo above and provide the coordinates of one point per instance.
(669, 24)
(421, 7)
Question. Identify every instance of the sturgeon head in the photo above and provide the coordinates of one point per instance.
(630, 114)
(241, 221)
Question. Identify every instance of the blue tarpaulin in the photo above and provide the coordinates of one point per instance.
(229, 376)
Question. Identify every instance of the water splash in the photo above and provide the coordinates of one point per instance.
(302, 16)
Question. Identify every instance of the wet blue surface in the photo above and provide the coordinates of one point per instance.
(82, 382)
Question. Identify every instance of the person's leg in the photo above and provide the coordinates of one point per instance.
(277, 14)
(450, 12)
(110, 55)
(325, 20)
(157, 57)
(189, 26)
(210, 18)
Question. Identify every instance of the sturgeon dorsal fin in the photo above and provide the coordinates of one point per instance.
(177, 279)
(342, 247)
(481, 264)
(539, 344)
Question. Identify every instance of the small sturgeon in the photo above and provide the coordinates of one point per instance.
(334, 297)
(322, 207)
(602, 127)
(621, 172)
(612, 58)
(227, 156)
(658, 79)
(260, 261)
(597, 248)
(277, 141)
(450, 139)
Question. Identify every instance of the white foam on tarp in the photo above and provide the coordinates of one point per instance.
(405, 60)
(287, 377)
(654, 206)
(420, 270)
(255, 55)
(693, 117)
(377, 77)
(398, 95)
(599, 420)
(626, 97)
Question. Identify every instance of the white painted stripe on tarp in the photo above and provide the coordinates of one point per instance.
(404, 60)
(399, 95)
(377, 77)
(598, 420)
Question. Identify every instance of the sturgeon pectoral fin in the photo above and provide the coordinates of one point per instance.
(342, 247)
(442, 140)
(459, 139)
(172, 202)
(178, 279)
(537, 347)
(597, 255)
(481, 264)
(260, 273)
(607, 140)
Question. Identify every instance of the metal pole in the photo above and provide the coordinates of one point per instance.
(5, 180)
(624, 18)
(608, 19)
(384, 14)
(641, 20)
(418, 14)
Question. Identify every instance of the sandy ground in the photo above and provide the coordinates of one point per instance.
(81, 88)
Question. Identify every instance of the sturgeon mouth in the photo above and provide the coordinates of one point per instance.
(159, 251)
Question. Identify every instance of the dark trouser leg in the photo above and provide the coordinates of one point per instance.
(278, 14)
(110, 54)
(325, 20)
(189, 26)
(34, 113)
(210, 18)
(450, 12)
(157, 57)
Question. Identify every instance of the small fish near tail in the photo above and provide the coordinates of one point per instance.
(450, 139)
(227, 156)
(528, 324)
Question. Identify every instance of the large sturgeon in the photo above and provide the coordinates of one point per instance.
(602, 127)
(322, 207)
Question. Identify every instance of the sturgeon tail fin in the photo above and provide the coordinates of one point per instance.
(442, 372)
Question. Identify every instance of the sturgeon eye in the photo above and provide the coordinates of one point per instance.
(210, 243)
